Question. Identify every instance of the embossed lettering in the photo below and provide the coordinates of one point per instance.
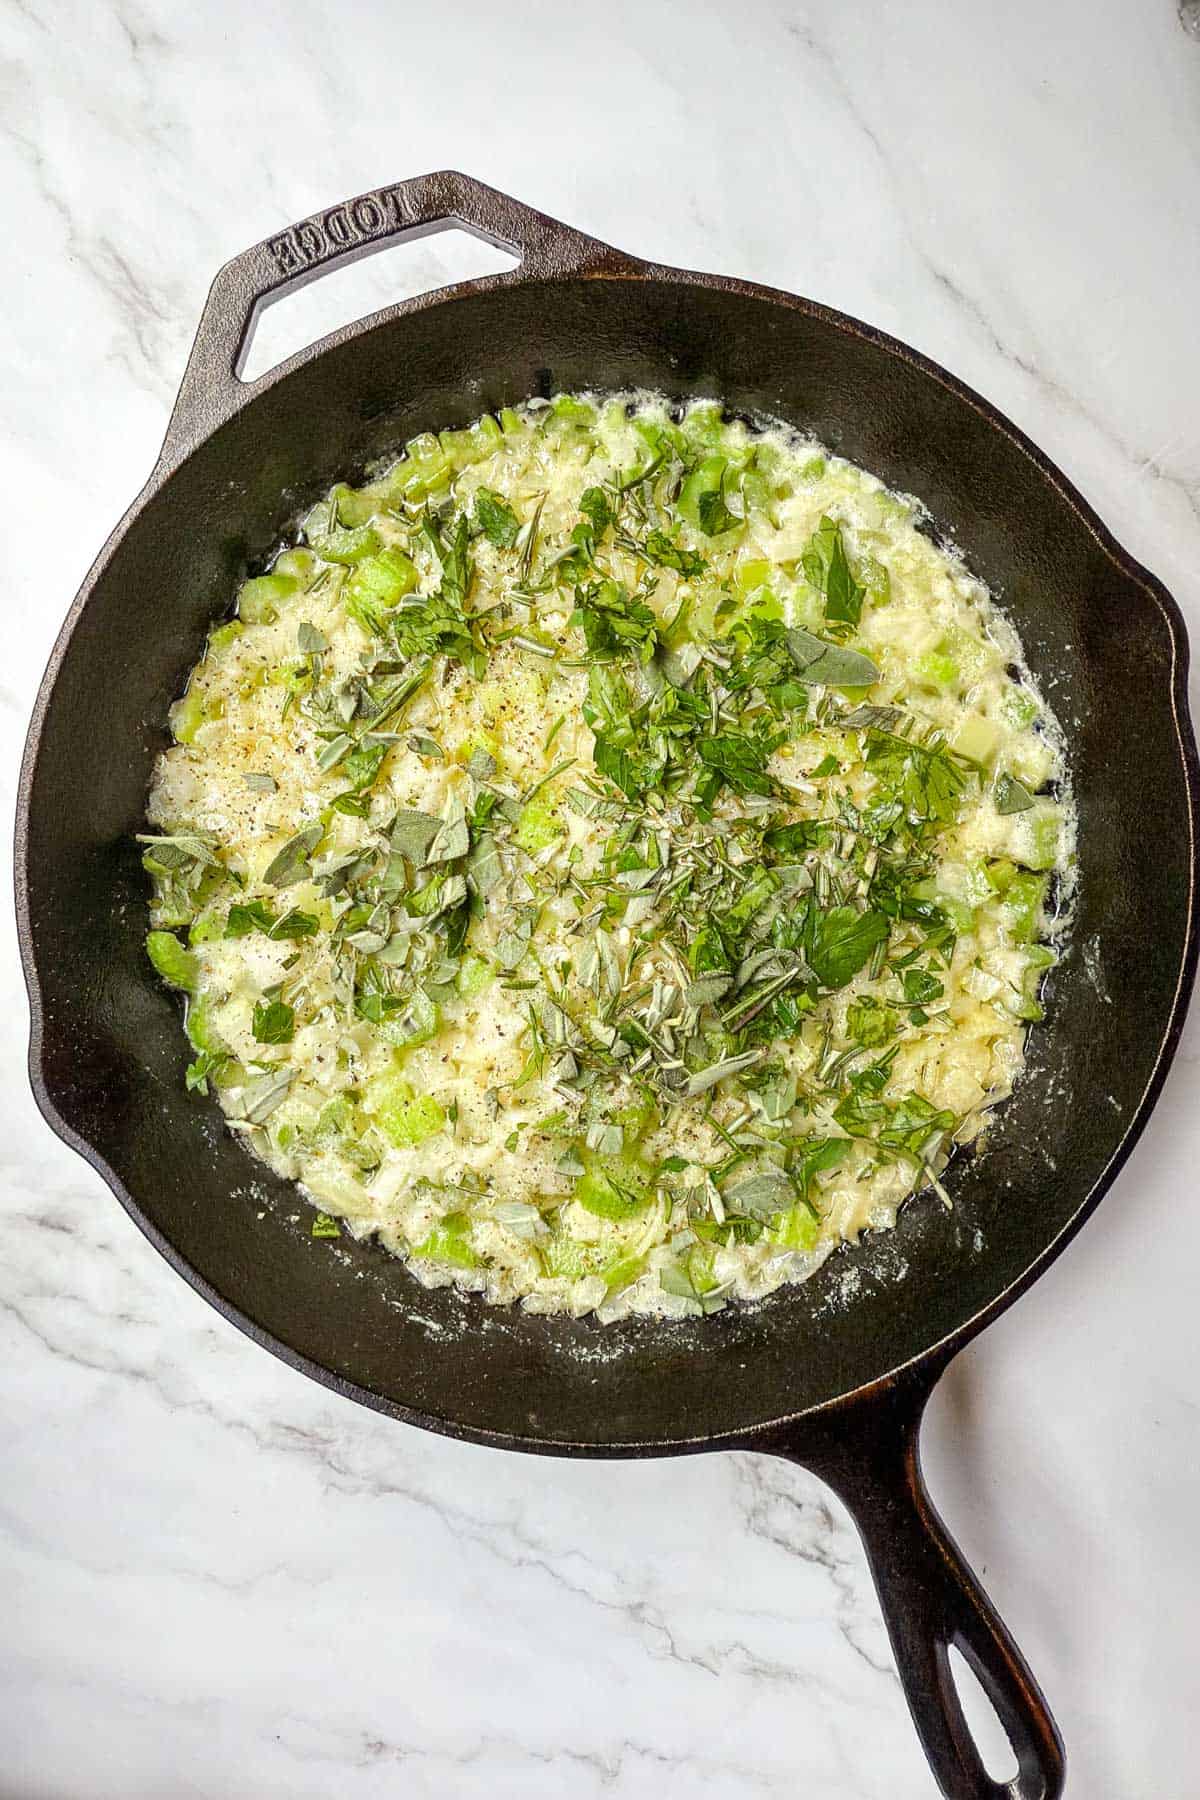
(397, 217)
(311, 240)
(338, 228)
(367, 215)
(284, 252)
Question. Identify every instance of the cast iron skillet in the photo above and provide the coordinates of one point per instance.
(834, 1374)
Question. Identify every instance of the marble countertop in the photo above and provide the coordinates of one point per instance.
(218, 1579)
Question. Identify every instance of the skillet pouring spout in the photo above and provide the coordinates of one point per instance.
(838, 1384)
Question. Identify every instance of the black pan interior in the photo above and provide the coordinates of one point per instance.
(112, 1053)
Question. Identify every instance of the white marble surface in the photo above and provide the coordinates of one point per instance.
(216, 1579)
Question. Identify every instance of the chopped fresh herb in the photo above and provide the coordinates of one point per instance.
(826, 665)
(496, 518)
(1011, 795)
(274, 1022)
(839, 942)
(292, 862)
(827, 568)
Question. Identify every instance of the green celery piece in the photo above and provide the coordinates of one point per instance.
(448, 1243)
(354, 506)
(1021, 910)
(224, 635)
(198, 1025)
(1019, 707)
(796, 1229)
(415, 1025)
(377, 584)
(405, 1117)
(205, 928)
(538, 826)
(703, 426)
(297, 565)
(1037, 845)
(620, 1273)
(574, 410)
(346, 544)
(188, 715)
(706, 478)
(475, 974)
(613, 1187)
(175, 963)
(960, 915)
(937, 670)
(258, 600)
(750, 575)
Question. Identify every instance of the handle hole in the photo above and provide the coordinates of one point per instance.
(339, 296)
(991, 1740)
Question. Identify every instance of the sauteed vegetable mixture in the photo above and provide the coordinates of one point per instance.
(611, 856)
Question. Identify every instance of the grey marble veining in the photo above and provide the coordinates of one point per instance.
(219, 1580)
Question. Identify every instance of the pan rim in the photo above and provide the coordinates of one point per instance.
(932, 1356)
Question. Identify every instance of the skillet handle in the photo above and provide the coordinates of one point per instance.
(869, 1454)
(212, 389)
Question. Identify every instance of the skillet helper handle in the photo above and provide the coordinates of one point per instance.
(212, 389)
(869, 1454)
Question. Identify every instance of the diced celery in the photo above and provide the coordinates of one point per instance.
(376, 585)
(1026, 1005)
(564, 1258)
(298, 564)
(1018, 706)
(448, 1242)
(188, 715)
(752, 574)
(1022, 907)
(405, 1117)
(199, 1026)
(756, 494)
(346, 544)
(416, 1024)
(700, 1268)
(475, 975)
(813, 469)
(1035, 838)
(538, 825)
(937, 670)
(705, 479)
(613, 1187)
(336, 1118)
(620, 1273)
(353, 506)
(576, 411)
(510, 421)
(703, 426)
(795, 1229)
(174, 962)
(225, 635)
(766, 606)
(206, 928)
(960, 915)
(876, 579)
(977, 739)
(259, 600)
